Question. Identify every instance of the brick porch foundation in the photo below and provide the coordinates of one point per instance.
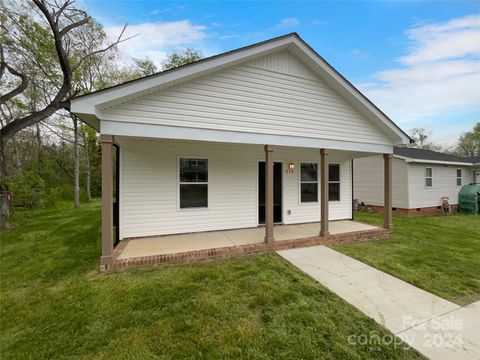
(242, 250)
(424, 211)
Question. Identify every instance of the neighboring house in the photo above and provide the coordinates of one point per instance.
(476, 168)
(421, 178)
(193, 143)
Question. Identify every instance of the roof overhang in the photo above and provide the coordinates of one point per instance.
(423, 161)
(89, 107)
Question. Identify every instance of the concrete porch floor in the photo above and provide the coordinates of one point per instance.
(170, 244)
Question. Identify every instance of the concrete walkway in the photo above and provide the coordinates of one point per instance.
(437, 328)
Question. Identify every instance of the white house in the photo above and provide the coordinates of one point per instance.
(421, 179)
(193, 143)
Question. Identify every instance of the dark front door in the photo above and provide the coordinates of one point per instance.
(277, 192)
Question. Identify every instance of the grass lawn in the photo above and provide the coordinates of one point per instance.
(55, 304)
(440, 254)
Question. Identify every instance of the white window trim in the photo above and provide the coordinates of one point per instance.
(190, 183)
(459, 177)
(300, 182)
(339, 182)
(427, 177)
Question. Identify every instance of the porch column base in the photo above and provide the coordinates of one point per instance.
(106, 262)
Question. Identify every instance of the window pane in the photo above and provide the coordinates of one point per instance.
(308, 172)
(193, 170)
(428, 182)
(333, 172)
(428, 172)
(333, 191)
(192, 196)
(309, 192)
(459, 173)
(459, 181)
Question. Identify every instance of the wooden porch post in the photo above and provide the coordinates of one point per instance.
(107, 201)
(269, 194)
(387, 204)
(324, 192)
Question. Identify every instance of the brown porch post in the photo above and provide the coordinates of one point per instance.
(107, 201)
(324, 192)
(387, 204)
(269, 194)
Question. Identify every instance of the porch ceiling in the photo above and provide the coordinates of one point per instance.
(170, 244)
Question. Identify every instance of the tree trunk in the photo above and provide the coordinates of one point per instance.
(39, 147)
(87, 167)
(4, 200)
(16, 154)
(76, 165)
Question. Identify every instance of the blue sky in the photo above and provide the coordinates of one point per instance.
(418, 61)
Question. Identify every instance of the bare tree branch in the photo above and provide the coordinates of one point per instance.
(74, 25)
(20, 88)
(105, 49)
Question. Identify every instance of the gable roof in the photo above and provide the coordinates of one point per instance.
(430, 156)
(87, 106)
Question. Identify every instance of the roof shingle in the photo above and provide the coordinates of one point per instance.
(429, 155)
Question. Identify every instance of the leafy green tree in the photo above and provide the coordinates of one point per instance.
(420, 137)
(42, 45)
(182, 57)
(469, 142)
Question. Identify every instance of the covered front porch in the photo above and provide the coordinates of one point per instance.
(157, 250)
(293, 202)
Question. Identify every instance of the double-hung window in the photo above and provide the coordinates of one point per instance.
(333, 182)
(428, 177)
(459, 177)
(193, 182)
(308, 182)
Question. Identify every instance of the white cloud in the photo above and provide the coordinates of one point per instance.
(155, 39)
(288, 22)
(455, 38)
(359, 54)
(317, 22)
(439, 77)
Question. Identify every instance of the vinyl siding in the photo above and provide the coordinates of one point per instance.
(443, 184)
(275, 95)
(149, 187)
(368, 181)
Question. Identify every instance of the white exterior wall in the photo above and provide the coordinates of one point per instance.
(273, 95)
(368, 175)
(444, 183)
(149, 187)
(408, 183)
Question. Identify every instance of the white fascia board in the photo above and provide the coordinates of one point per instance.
(423, 161)
(87, 103)
(405, 140)
(183, 133)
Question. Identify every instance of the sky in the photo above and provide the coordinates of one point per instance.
(418, 61)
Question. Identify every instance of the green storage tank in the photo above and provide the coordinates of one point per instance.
(469, 199)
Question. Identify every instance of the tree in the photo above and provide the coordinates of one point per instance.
(420, 137)
(469, 142)
(181, 57)
(42, 44)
